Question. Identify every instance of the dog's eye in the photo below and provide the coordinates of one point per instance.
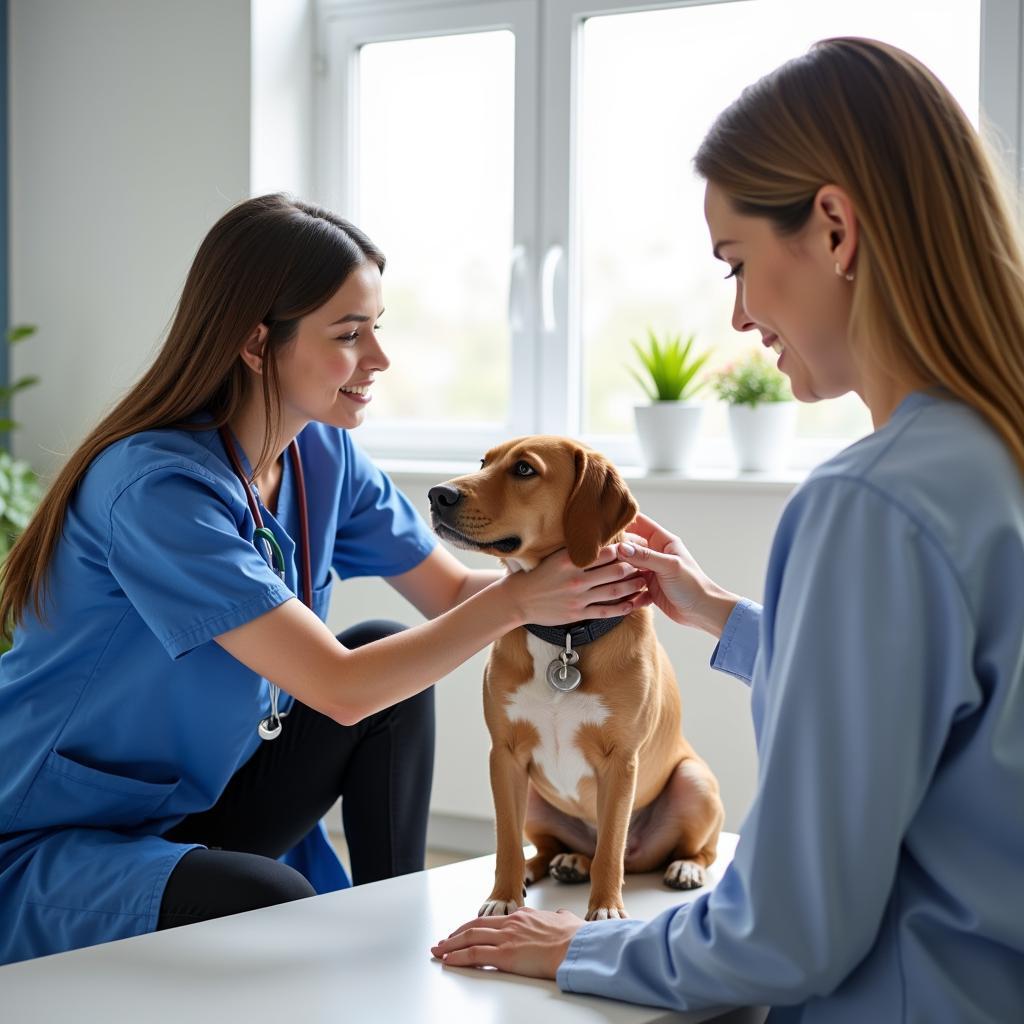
(523, 469)
(483, 463)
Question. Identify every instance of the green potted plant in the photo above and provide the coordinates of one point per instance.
(762, 413)
(19, 486)
(668, 426)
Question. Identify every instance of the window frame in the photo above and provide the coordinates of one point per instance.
(546, 378)
(343, 28)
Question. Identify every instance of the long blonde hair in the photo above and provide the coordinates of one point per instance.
(269, 260)
(939, 290)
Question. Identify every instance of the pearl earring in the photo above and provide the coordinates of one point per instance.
(839, 272)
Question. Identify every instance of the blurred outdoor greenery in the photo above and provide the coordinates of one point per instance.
(20, 490)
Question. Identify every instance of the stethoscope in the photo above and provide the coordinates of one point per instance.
(270, 727)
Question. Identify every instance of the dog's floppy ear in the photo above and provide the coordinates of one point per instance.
(599, 506)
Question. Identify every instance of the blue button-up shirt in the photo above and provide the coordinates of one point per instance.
(880, 870)
(120, 715)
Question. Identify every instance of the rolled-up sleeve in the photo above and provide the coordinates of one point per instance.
(736, 651)
(865, 654)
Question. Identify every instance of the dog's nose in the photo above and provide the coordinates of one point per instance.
(444, 497)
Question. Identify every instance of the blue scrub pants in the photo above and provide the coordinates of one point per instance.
(382, 768)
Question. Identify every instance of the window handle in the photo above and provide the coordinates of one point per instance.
(547, 283)
(515, 288)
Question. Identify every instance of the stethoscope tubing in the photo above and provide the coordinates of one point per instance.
(270, 727)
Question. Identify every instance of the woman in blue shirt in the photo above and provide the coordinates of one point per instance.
(880, 871)
(150, 777)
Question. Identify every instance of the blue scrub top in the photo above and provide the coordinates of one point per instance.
(880, 872)
(119, 716)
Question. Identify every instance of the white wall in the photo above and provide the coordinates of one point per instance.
(130, 135)
(282, 97)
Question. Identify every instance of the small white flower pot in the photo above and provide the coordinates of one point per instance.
(668, 432)
(762, 435)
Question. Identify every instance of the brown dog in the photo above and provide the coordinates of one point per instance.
(598, 777)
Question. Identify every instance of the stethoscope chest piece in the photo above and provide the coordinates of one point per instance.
(270, 728)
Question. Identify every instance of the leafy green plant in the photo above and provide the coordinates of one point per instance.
(19, 486)
(751, 381)
(671, 367)
(19, 495)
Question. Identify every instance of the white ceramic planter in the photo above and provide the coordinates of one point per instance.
(668, 432)
(762, 435)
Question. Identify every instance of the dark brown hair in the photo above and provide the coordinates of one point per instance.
(270, 260)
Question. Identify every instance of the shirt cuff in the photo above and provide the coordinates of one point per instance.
(273, 595)
(736, 651)
(593, 972)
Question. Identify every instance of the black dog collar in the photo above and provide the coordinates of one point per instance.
(582, 632)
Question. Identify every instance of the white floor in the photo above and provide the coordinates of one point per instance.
(435, 858)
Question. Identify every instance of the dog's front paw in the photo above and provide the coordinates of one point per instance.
(498, 908)
(613, 911)
(570, 867)
(684, 874)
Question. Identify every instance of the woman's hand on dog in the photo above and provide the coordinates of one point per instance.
(557, 591)
(530, 942)
(675, 582)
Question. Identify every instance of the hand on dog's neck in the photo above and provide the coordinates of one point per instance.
(525, 563)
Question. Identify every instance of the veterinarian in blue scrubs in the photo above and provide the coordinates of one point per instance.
(880, 871)
(182, 559)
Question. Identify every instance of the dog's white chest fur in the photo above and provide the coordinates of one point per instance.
(557, 718)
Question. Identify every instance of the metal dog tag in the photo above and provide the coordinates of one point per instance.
(561, 672)
(562, 676)
(269, 728)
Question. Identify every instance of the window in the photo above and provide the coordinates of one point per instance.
(652, 83)
(538, 213)
(437, 192)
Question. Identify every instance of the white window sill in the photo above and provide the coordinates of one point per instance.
(412, 451)
(701, 478)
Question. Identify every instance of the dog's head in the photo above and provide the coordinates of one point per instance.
(532, 496)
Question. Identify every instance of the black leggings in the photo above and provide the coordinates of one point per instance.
(381, 768)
